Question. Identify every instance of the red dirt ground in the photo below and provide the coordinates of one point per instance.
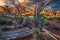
(51, 27)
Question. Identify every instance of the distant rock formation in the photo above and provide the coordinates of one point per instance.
(13, 10)
(51, 12)
(58, 13)
(27, 11)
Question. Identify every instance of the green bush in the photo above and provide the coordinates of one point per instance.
(44, 21)
(4, 20)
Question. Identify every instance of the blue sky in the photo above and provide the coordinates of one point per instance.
(53, 5)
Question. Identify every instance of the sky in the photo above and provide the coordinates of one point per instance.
(53, 5)
(7, 2)
(2, 2)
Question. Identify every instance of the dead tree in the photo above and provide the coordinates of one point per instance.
(17, 7)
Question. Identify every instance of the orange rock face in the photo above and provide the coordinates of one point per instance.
(58, 13)
(44, 12)
(23, 11)
(51, 12)
(1, 8)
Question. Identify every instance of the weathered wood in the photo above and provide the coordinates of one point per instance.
(17, 33)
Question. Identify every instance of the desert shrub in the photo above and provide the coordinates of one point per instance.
(44, 21)
(4, 20)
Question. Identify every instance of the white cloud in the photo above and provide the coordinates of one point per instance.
(2, 3)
